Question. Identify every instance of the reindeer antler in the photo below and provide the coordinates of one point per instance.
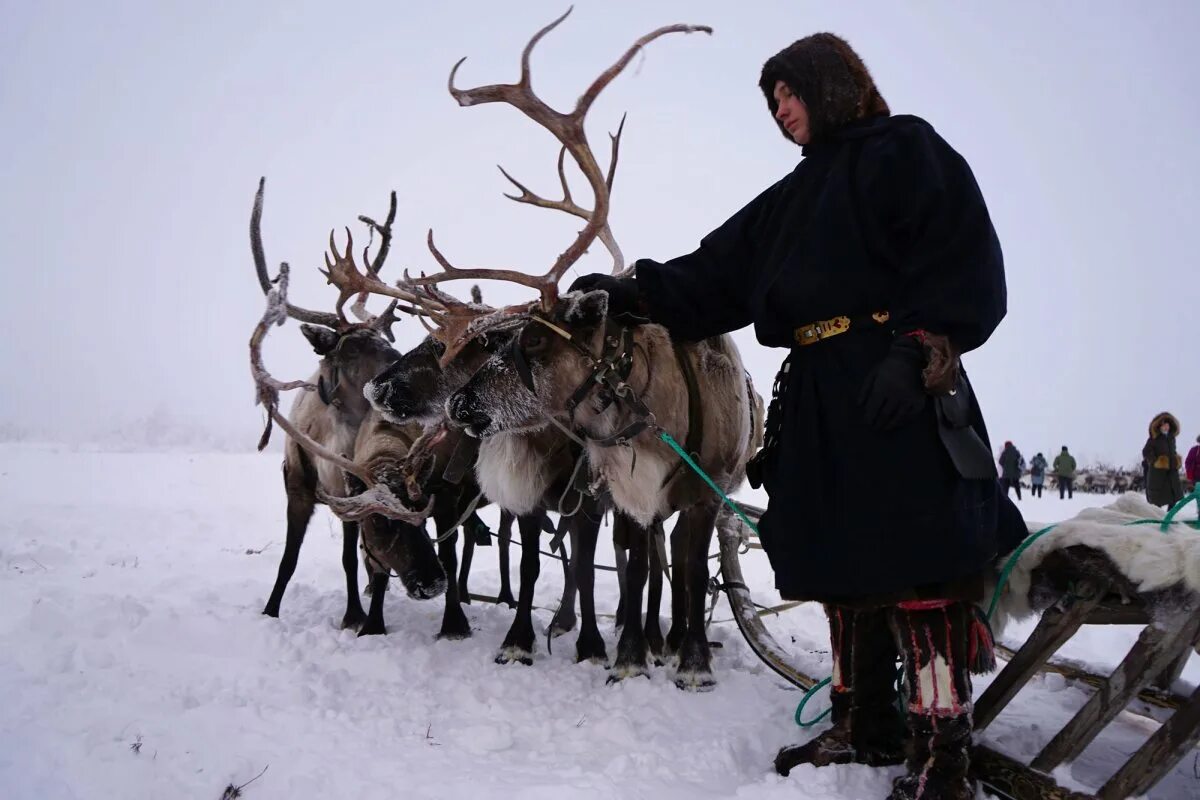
(378, 498)
(359, 308)
(342, 272)
(260, 267)
(568, 129)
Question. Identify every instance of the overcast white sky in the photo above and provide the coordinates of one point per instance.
(133, 135)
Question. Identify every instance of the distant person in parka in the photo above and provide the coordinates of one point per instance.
(1012, 464)
(1163, 487)
(1064, 471)
(875, 262)
(1037, 475)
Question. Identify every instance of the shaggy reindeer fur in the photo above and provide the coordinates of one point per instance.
(523, 474)
(1152, 560)
(643, 479)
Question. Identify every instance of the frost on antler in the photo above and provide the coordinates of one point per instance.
(377, 498)
(267, 388)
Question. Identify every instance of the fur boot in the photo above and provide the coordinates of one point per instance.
(867, 727)
(934, 640)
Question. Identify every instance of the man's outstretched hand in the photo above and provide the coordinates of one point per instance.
(624, 302)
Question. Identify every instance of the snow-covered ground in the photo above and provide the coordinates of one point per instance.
(131, 586)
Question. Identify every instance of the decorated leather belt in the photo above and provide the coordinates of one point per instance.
(817, 331)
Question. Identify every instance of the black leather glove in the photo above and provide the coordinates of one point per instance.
(624, 302)
(893, 394)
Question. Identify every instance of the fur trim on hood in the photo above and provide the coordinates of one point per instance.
(1160, 419)
(829, 78)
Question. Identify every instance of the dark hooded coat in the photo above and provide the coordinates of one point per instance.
(1011, 462)
(1163, 487)
(881, 214)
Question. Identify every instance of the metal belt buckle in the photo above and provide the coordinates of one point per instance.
(807, 334)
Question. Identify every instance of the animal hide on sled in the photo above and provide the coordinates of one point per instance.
(1155, 565)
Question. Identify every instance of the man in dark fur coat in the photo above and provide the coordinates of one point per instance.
(876, 263)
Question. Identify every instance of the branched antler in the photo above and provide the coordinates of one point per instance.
(378, 498)
(455, 323)
(567, 204)
(359, 308)
(568, 129)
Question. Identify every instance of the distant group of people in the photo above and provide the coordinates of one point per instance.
(1012, 467)
(1160, 466)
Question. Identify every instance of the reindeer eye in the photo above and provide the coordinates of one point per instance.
(535, 343)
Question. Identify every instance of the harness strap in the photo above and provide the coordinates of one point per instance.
(695, 410)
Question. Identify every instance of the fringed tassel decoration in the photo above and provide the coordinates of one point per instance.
(981, 645)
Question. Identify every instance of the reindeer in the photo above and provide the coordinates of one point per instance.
(642, 477)
(524, 477)
(611, 387)
(333, 418)
(524, 464)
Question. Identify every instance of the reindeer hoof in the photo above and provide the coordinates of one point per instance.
(454, 633)
(562, 624)
(370, 628)
(354, 618)
(519, 655)
(624, 671)
(506, 599)
(590, 647)
(695, 681)
(271, 611)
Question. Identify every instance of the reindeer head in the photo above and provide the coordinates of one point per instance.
(349, 359)
(535, 376)
(415, 388)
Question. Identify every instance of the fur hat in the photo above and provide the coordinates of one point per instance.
(831, 80)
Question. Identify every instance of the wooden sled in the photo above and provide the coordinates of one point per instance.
(1100, 597)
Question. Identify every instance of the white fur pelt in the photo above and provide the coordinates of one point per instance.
(1150, 558)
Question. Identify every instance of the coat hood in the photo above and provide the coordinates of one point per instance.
(829, 77)
(1160, 419)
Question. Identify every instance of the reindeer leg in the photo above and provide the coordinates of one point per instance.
(505, 536)
(454, 621)
(654, 637)
(468, 555)
(679, 594)
(354, 616)
(564, 618)
(694, 671)
(585, 531)
(631, 648)
(300, 504)
(374, 625)
(518, 644)
(621, 561)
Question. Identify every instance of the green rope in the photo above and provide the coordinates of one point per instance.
(1175, 509)
(687, 459)
(804, 701)
(1011, 564)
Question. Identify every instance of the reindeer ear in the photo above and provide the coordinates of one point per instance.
(322, 340)
(587, 309)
